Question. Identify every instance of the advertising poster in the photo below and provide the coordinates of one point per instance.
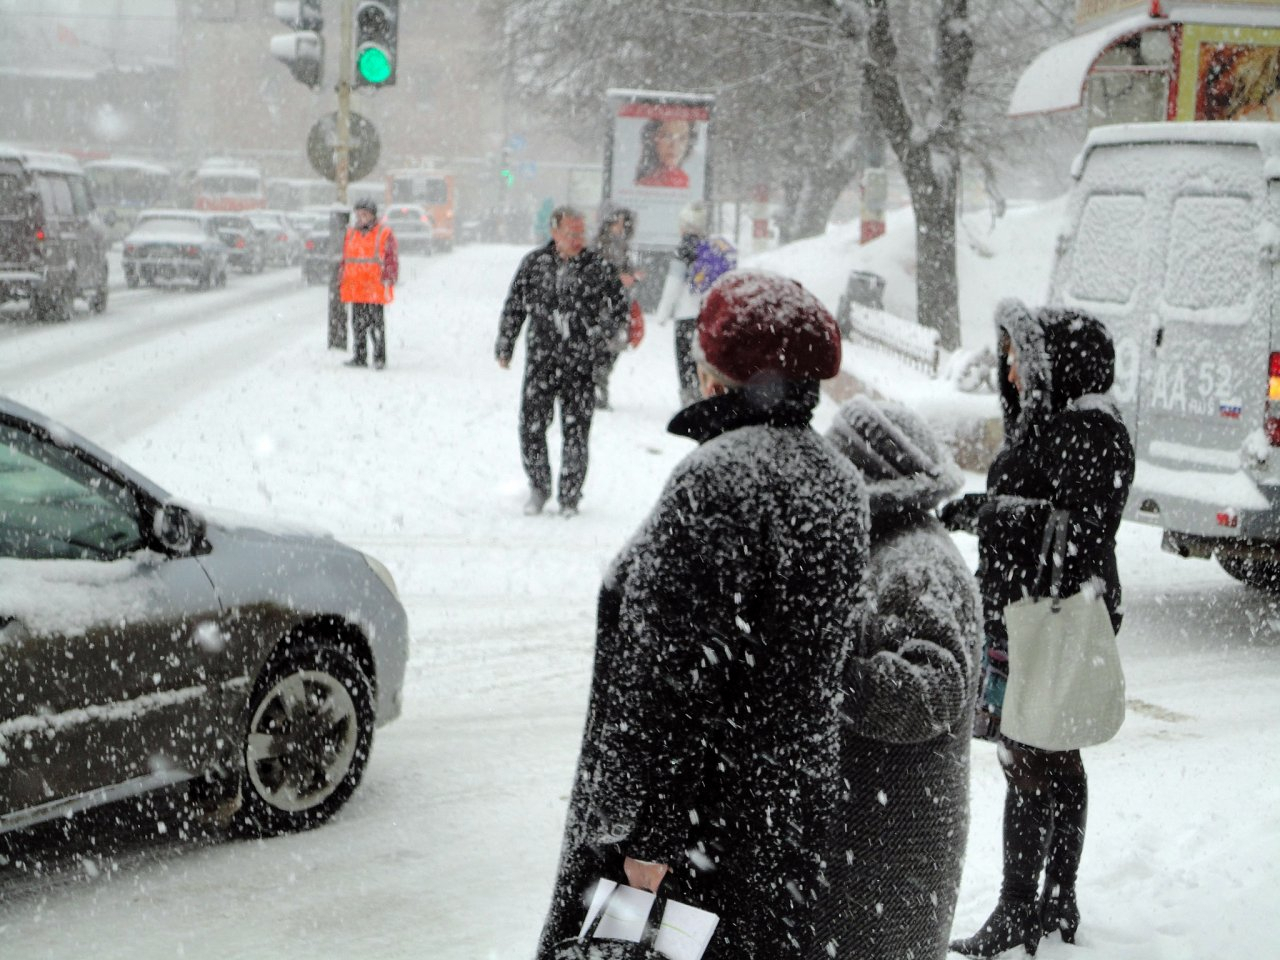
(1229, 73)
(657, 161)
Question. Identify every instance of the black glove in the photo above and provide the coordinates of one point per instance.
(961, 514)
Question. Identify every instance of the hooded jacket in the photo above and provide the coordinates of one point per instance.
(712, 735)
(899, 834)
(1066, 448)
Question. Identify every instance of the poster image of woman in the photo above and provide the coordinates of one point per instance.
(664, 147)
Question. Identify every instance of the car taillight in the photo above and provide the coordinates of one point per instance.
(282, 237)
(311, 244)
(39, 235)
(129, 248)
(425, 219)
(193, 251)
(239, 243)
(1271, 420)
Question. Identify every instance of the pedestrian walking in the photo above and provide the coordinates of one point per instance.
(1065, 449)
(709, 758)
(370, 271)
(613, 244)
(899, 834)
(698, 262)
(572, 301)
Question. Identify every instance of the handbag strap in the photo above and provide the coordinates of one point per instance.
(1053, 553)
(651, 926)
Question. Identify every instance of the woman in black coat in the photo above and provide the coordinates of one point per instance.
(1066, 449)
(709, 762)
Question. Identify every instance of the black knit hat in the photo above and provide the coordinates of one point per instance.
(366, 203)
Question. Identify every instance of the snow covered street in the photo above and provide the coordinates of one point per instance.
(448, 849)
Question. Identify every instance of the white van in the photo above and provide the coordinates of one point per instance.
(1172, 239)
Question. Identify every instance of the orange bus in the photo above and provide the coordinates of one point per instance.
(430, 188)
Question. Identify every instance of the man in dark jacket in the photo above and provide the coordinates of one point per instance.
(574, 303)
(710, 756)
(1065, 449)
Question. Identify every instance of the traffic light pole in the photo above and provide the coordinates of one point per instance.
(343, 153)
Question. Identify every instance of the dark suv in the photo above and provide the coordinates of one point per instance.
(53, 244)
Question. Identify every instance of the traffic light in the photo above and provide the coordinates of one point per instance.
(377, 25)
(303, 50)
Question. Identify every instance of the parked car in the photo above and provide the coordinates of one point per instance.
(278, 234)
(53, 243)
(1170, 239)
(413, 228)
(167, 245)
(144, 643)
(322, 248)
(248, 248)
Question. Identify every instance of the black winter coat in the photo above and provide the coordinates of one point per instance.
(899, 839)
(573, 308)
(711, 741)
(1065, 448)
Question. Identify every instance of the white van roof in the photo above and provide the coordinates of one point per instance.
(1264, 136)
(42, 160)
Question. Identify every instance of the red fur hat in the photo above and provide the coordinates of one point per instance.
(755, 324)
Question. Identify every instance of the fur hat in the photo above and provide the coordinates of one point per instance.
(366, 203)
(759, 325)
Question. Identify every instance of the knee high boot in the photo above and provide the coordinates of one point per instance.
(1058, 909)
(1015, 920)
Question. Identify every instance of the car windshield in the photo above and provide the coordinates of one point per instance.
(12, 194)
(170, 225)
(232, 223)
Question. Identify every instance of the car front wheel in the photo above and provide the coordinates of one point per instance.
(307, 742)
(1262, 574)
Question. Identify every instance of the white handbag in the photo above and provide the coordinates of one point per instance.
(1066, 684)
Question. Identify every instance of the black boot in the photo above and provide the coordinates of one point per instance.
(1058, 910)
(1012, 922)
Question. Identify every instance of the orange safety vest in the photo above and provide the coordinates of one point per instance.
(362, 259)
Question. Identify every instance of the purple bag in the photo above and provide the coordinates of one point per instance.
(715, 256)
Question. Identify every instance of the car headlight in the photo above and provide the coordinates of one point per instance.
(382, 574)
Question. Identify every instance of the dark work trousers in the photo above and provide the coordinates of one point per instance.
(686, 369)
(543, 386)
(367, 317)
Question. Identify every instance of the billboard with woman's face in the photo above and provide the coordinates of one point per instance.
(658, 159)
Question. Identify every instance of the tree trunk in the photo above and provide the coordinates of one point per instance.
(937, 287)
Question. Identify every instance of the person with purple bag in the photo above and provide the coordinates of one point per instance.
(698, 262)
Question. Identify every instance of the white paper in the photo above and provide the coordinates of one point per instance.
(685, 931)
(598, 899)
(625, 914)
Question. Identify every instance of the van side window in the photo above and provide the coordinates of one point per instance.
(80, 200)
(1212, 253)
(59, 193)
(1106, 256)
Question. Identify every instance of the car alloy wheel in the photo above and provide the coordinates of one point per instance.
(307, 741)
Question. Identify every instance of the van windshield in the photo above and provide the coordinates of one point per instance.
(169, 225)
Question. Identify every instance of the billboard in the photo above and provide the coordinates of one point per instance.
(657, 161)
(1229, 73)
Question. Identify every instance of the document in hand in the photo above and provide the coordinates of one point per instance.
(684, 933)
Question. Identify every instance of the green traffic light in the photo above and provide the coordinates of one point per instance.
(374, 65)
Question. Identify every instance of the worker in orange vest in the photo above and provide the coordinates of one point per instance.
(370, 269)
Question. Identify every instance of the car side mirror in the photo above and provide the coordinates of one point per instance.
(179, 530)
(109, 217)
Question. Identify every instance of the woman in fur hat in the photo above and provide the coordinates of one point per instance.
(710, 759)
(898, 842)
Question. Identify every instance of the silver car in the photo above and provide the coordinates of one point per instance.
(144, 643)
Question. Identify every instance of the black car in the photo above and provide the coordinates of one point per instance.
(167, 245)
(53, 244)
(246, 242)
(322, 246)
(412, 225)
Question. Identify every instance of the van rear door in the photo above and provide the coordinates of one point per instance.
(1204, 378)
(17, 229)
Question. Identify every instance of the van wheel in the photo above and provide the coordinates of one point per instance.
(1263, 574)
(131, 279)
(98, 301)
(307, 742)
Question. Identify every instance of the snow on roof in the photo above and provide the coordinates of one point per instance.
(1264, 136)
(1055, 79)
(42, 159)
(659, 95)
(123, 164)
